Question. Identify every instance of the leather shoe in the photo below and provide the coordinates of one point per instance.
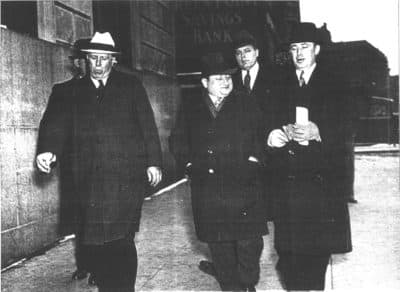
(79, 274)
(207, 267)
(92, 280)
(352, 200)
(250, 289)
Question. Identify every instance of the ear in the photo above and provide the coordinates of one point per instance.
(317, 49)
(257, 53)
(204, 81)
(114, 60)
(76, 63)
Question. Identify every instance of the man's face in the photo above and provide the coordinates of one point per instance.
(100, 65)
(246, 57)
(304, 54)
(218, 85)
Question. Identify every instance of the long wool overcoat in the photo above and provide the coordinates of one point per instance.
(227, 201)
(310, 210)
(114, 139)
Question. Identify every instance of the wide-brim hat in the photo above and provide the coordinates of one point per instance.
(77, 52)
(102, 43)
(215, 64)
(304, 32)
(243, 38)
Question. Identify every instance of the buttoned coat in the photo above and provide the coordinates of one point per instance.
(310, 210)
(225, 187)
(114, 140)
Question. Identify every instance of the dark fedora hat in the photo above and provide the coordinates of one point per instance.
(77, 48)
(102, 43)
(304, 32)
(215, 64)
(243, 38)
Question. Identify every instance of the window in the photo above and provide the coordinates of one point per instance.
(20, 16)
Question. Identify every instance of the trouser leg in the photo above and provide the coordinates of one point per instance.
(115, 266)
(237, 263)
(303, 272)
(225, 262)
(249, 253)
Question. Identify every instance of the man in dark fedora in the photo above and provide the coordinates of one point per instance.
(256, 80)
(252, 76)
(116, 152)
(217, 137)
(60, 99)
(307, 143)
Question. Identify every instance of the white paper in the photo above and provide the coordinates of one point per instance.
(302, 119)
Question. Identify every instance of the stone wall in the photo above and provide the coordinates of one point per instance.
(29, 201)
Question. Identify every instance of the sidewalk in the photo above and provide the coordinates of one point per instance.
(169, 251)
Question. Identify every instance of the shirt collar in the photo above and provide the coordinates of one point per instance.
(97, 83)
(253, 73)
(307, 73)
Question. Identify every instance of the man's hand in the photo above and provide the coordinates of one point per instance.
(44, 160)
(154, 175)
(306, 132)
(277, 138)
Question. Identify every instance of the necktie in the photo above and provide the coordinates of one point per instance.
(218, 101)
(301, 79)
(100, 90)
(247, 81)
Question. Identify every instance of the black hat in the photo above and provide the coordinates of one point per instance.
(304, 32)
(77, 49)
(215, 64)
(243, 38)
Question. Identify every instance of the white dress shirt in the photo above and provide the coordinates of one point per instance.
(97, 82)
(307, 73)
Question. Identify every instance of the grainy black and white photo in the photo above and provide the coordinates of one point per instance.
(199, 145)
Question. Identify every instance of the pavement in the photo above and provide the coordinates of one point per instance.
(169, 251)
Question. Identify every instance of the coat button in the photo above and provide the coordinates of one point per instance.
(211, 171)
(291, 152)
(244, 213)
(291, 177)
(210, 151)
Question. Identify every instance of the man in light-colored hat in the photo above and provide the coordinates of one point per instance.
(307, 142)
(116, 152)
(217, 138)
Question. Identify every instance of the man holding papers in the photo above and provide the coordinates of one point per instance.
(307, 144)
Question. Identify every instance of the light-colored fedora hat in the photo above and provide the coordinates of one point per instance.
(101, 43)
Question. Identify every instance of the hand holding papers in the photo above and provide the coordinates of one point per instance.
(304, 130)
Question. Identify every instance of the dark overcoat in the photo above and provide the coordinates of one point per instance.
(60, 99)
(227, 201)
(310, 211)
(262, 91)
(114, 140)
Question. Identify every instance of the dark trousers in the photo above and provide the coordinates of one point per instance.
(237, 263)
(302, 272)
(114, 265)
